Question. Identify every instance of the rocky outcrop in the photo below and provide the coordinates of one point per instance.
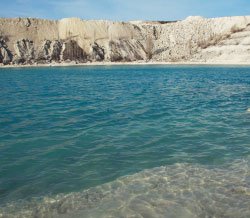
(73, 52)
(49, 51)
(56, 49)
(5, 54)
(44, 53)
(24, 51)
(125, 50)
(98, 52)
(194, 39)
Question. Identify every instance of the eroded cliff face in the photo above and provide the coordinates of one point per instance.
(29, 41)
(5, 54)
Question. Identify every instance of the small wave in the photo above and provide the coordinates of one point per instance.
(180, 190)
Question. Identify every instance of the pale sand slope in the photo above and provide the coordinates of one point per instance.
(193, 40)
(133, 63)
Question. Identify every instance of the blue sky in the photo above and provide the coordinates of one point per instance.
(123, 9)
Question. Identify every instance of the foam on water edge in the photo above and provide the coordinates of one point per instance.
(179, 190)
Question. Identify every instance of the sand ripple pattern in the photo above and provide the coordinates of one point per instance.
(180, 190)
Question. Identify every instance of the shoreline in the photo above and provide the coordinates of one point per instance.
(71, 64)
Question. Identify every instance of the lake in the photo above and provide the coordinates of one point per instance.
(125, 141)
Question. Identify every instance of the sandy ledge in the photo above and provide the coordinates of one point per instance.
(125, 63)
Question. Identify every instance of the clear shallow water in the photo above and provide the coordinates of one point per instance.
(65, 130)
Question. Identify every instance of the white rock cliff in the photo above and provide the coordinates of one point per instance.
(195, 39)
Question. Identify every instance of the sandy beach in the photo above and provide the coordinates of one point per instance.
(72, 64)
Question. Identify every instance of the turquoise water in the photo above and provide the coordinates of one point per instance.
(117, 141)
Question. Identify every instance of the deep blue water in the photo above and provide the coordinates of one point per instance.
(65, 130)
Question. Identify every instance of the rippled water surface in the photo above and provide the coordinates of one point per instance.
(138, 141)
